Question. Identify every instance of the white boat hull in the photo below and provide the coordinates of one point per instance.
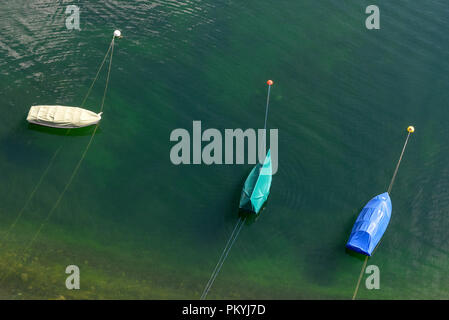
(62, 116)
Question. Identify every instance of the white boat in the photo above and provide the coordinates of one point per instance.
(62, 116)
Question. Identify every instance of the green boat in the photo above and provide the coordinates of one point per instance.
(257, 187)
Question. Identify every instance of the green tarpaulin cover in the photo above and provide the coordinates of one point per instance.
(257, 186)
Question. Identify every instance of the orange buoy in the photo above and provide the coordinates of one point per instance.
(411, 129)
(270, 82)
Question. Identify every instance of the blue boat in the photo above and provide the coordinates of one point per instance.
(370, 225)
(257, 187)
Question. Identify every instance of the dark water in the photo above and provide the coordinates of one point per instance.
(140, 227)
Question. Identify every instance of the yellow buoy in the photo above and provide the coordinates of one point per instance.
(411, 129)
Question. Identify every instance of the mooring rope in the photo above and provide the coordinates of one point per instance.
(223, 257)
(78, 165)
(360, 278)
(41, 179)
(389, 190)
(107, 78)
(266, 109)
(98, 72)
(214, 276)
(399, 162)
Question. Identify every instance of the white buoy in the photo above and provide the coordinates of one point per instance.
(117, 33)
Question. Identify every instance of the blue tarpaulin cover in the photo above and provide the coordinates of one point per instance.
(370, 225)
(257, 186)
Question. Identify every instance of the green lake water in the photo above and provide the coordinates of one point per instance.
(140, 227)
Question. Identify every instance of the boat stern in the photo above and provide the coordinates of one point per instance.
(359, 242)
